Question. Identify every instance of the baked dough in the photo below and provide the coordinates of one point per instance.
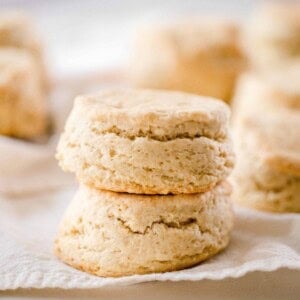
(147, 142)
(118, 234)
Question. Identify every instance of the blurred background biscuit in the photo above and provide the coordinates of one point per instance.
(201, 56)
(259, 93)
(273, 34)
(18, 31)
(23, 106)
(267, 172)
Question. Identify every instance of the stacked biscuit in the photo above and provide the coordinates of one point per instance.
(152, 167)
(201, 56)
(267, 116)
(23, 82)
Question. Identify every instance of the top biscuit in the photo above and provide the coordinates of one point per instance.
(147, 142)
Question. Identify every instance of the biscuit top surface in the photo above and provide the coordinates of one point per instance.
(150, 101)
(151, 112)
(277, 137)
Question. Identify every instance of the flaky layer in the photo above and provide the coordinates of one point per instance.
(115, 234)
(143, 165)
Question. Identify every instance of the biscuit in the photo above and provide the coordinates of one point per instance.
(118, 234)
(273, 35)
(22, 100)
(17, 31)
(147, 142)
(198, 56)
(267, 173)
(261, 93)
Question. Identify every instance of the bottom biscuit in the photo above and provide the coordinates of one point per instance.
(118, 234)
